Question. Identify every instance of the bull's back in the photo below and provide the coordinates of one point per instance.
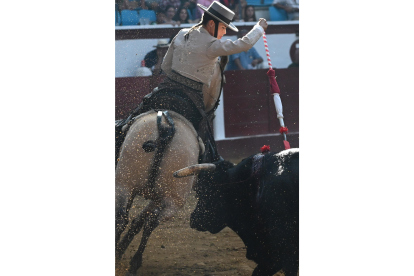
(280, 205)
(280, 187)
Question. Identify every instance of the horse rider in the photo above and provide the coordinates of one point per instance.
(194, 65)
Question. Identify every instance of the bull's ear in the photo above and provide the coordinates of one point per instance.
(194, 169)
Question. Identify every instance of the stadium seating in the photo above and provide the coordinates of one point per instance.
(190, 15)
(129, 17)
(258, 3)
(148, 14)
(117, 18)
(277, 14)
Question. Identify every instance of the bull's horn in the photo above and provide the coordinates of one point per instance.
(194, 169)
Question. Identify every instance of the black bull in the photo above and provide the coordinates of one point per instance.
(259, 200)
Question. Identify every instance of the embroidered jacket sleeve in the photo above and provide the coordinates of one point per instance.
(228, 47)
(166, 65)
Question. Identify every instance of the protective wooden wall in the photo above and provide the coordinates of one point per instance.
(249, 114)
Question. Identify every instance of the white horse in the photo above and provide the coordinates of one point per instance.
(149, 172)
(148, 158)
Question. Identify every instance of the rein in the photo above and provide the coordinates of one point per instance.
(165, 135)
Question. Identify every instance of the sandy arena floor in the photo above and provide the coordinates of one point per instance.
(174, 249)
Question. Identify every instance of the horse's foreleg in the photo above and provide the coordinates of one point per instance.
(123, 201)
(164, 211)
(151, 223)
(135, 228)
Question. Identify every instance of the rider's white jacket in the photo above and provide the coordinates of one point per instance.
(197, 57)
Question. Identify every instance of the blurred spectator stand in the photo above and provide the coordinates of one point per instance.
(191, 5)
(272, 10)
(277, 14)
(152, 4)
(137, 4)
(154, 58)
(170, 12)
(129, 17)
(237, 6)
(117, 18)
(160, 17)
(135, 17)
(131, 4)
(276, 10)
(149, 14)
(249, 14)
(261, 7)
(291, 7)
(294, 54)
(247, 60)
(165, 3)
(182, 16)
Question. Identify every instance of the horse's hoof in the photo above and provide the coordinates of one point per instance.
(117, 262)
(118, 256)
(134, 266)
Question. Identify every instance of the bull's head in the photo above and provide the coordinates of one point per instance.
(209, 213)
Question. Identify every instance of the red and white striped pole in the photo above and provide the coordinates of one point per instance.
(267, 50)
(276, 97)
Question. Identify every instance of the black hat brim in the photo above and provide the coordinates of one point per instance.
(231, 26)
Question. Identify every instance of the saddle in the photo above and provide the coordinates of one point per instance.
(174, 96)
(173, 100)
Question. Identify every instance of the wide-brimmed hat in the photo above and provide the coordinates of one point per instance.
(162, 43)
(221, 13)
